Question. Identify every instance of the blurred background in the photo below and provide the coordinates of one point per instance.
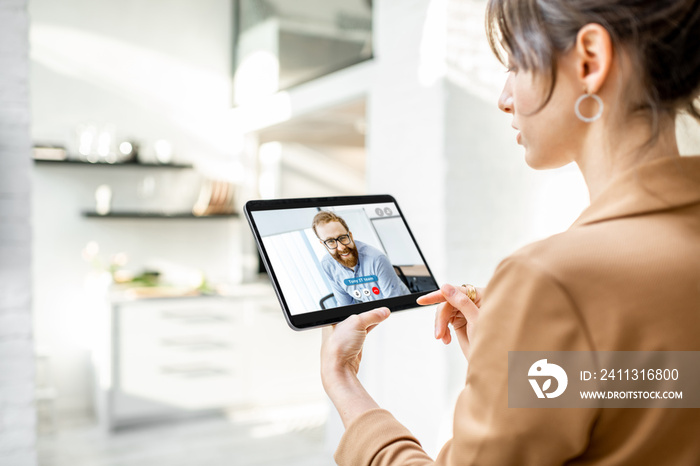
(136, 323)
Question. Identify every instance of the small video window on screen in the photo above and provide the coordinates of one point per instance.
(337, 256)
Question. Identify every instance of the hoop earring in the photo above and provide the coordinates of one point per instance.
(578, 110)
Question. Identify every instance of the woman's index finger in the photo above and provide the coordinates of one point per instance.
(431, 298)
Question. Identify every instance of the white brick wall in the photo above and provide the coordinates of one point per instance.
(17, 412)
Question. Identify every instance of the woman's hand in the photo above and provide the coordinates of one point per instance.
(456, 309)
(341, 353)
(341, 350)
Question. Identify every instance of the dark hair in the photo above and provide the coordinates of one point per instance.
(326, 216)
(662, 38)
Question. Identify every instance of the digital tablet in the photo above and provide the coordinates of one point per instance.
(331, 257)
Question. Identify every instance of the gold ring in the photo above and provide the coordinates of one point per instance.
(471, 292)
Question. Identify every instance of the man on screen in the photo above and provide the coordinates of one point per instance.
(357, 271)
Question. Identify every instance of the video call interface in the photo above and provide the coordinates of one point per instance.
(355, 253)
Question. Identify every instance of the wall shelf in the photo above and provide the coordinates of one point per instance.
(155, 215)
(105, 164)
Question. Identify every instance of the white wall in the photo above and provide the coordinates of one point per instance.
(17, 412)
(155, 70)
(403, 368)
(439, 144)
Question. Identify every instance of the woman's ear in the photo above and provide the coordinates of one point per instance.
(594, 55)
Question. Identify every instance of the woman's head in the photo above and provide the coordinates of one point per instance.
(658, 42)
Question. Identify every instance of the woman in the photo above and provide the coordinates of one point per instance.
(598, 83)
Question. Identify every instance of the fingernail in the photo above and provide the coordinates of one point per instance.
(437, 333)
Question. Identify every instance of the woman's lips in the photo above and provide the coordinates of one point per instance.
(518, 136)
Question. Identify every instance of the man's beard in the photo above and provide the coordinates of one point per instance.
(348, 261)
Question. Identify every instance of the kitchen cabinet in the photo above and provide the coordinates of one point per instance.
(174, 358)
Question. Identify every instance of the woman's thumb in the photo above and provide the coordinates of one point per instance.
(373, 317)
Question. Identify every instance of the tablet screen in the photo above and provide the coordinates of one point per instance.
(346, 252)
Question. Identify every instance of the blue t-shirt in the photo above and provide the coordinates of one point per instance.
(373, 277)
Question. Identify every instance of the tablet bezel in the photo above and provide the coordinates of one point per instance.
(324, 317)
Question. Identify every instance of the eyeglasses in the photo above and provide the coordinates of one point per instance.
(332, 243)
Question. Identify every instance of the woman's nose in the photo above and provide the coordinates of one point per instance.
(505, 101)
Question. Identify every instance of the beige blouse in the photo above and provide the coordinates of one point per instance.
(624, 277)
